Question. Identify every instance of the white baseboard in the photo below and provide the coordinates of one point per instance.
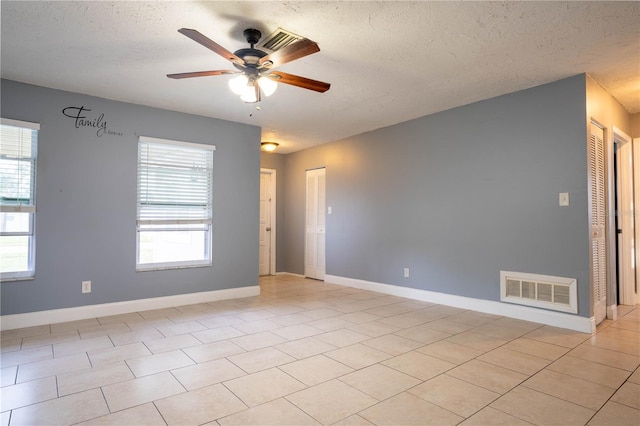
(556, 319)
(9, 322)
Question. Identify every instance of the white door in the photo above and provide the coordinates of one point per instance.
(625, 219)
(597, 210)
(636, 198)
(267, 233)
(314, 260)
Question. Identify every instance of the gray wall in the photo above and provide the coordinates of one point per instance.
(456, 196)
(86, 202)
(277, 162)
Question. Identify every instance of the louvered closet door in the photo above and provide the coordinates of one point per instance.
(597, 222)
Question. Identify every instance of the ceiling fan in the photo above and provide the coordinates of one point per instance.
(255, 66)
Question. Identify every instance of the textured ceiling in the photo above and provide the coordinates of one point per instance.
(387, 62)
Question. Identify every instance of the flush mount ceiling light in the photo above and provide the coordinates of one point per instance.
(255, 66)
(268, 146)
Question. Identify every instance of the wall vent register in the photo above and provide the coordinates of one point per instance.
(279, 39)
(542, 291)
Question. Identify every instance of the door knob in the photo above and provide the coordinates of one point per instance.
(268, 229)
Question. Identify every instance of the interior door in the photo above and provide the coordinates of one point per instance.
(597, 216)
(314, 265)
(636, 198)
(264, 258)
(625, 220)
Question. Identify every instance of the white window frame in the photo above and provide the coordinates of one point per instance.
(30, 208)
(149, 215)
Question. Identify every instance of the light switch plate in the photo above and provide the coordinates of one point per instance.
(564, 199)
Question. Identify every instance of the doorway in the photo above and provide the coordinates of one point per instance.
(267, 239)
(314, 258)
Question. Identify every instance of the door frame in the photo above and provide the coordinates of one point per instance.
(272, 212)
(626, 278)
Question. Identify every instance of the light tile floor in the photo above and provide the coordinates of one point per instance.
(308, 352)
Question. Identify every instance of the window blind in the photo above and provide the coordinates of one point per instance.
(174, 182)
(18, 146)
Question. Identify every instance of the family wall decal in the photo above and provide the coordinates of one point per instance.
(82, 119)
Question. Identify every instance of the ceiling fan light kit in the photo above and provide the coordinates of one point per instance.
(239, 84)
(255, 66)
(267, 85)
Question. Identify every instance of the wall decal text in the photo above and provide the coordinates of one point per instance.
(82, 119)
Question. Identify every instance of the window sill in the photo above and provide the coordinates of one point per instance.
(11, 279)
(167, 267)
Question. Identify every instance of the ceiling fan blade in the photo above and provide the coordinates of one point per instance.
(200, 74)
(296, 80)
(297, 50)
(210, 44)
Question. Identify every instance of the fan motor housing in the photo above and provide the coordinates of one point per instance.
(249, 52)
(250, 57)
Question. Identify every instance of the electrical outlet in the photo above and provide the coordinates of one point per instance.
(86, 286)
(406, 272)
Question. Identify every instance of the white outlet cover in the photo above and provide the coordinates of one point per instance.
(564, 199)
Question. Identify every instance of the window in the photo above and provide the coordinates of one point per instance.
(18, 150)
(174, 204)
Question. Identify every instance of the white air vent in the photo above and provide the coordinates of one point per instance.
(278, 39)
(542, 291)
